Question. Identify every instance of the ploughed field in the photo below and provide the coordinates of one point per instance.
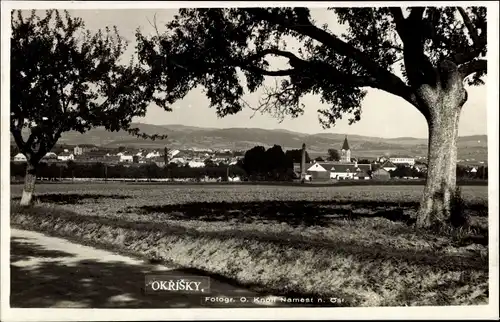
(354, 242)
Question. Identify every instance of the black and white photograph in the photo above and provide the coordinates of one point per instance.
(249, 160)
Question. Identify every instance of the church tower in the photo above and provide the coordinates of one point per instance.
(345, 156)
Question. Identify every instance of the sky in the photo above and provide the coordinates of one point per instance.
(383, 114)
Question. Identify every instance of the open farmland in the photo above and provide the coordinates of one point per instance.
(353, 242)
(186, 193)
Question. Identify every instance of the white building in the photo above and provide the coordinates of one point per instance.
(126, 158)
(339, 170)
(178, 161)
(173, 153)
(196, 164)
(153, 154)
(65, 156)
(20, 157)
(50, 155)
(77, 150)
(195, 149)
(388, 166)
(402, 160)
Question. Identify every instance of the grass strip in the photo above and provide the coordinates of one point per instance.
(363, 276)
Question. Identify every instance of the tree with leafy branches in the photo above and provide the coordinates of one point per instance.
(64, 78)
(438, 52)
(295, 155)
(333, 155)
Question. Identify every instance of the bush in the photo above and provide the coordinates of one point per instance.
(458, 217)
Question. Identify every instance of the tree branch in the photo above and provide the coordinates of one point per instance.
(470, 27)
(411, 31)
(478, 41)
(293, 61)
(399, 20)
(321, 69)
(18, 138)
(379, 77)
(476, 66)
(275, 100)
(274, 51)
(306, 28)
(255, 69)
(416, 14)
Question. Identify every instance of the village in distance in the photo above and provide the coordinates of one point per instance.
(86, 162)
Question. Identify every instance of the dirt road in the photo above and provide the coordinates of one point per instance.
(53, 272)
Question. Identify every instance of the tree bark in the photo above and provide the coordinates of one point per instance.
(29, 184)
(443, 119)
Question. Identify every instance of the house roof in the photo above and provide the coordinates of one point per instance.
(65, 154)
(380, 171)
(345, 146)
(365, 167)
(361, 174)
(326, 166)
(345, 168)
(388, 164)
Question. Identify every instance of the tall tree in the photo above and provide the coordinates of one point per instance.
(295, 155)
(277, 164)
(435, 49)
(333, 155)
(254, 161)
(63, 78)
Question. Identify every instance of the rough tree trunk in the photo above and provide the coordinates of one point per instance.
(445, 107)
(29, 184)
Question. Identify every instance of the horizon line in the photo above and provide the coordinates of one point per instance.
(310, 134)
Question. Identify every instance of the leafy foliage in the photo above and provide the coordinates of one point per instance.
(54, 171)
(270, 164)
(224, 51)
(65, 78)
(295, 156)
(333, 155)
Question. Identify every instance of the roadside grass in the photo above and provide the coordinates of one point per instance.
(367, 260)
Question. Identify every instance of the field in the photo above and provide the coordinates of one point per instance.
(353, 242)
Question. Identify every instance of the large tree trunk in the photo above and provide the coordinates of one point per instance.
(439, 193)
(29, 184)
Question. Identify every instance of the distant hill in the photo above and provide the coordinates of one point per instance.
(181, 137)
